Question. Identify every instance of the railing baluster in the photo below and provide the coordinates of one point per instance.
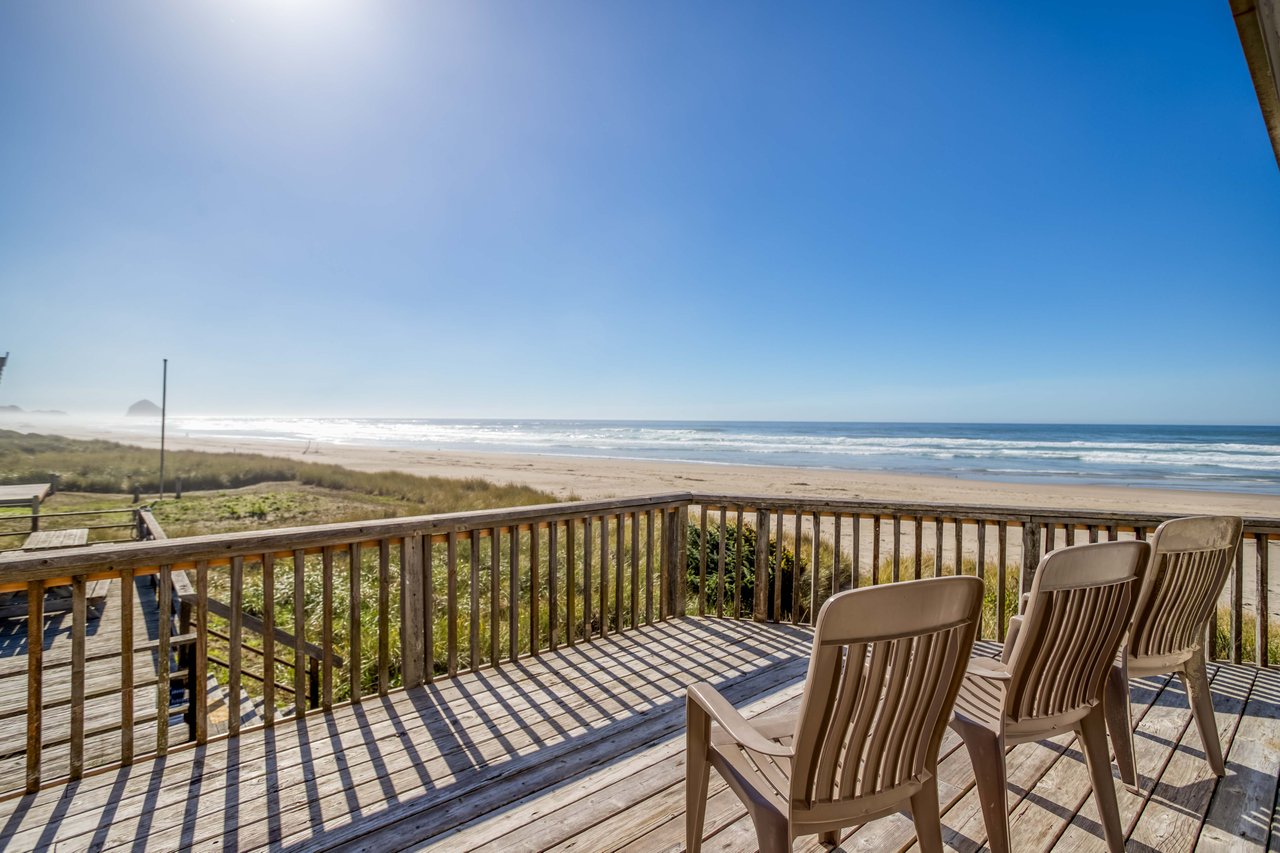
(326, 627)
(648, 567)
(702, 561)
(780, 523)
(957, 528)
(619, 559)
(535, 589)
(79, 620)
(355, 670)
(513, 597)
(836, 547)
(451, 602)
(604, 576)
(1001, 591)
(570, 580)
(1261, 549)
(738, 566)
(299, 631)
(919, 546)
(473, 582)
(760, 588)
(937, 547)
(126, 666)
(897, 548)
(722, 565)
(814, 567)
(269, 641)
(495, 591)
(981, 563)
(588, 617)
(1093, 533)
(384, 616)
(235, 645)
(35, 681)
(200, 685)
(164, 609)
(635, 570)
(795, 573)
(1237, 606)
(875, 548)
(553, 585)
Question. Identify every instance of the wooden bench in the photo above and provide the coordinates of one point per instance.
(43, 540)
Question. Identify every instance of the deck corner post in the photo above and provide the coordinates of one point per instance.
(1030, 552)
(760, 587)
(412, 614)
(674, 522)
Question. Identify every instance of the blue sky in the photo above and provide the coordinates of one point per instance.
(848, 211)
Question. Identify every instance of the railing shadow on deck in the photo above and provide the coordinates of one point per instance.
(464, 721)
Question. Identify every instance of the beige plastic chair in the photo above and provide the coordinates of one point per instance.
(886, 664)
(1052, 676)
(1190, 561)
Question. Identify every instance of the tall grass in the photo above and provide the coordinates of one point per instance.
(105, 466)
(782, 559)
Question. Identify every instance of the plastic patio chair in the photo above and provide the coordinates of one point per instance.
(1190, 561)
(886, 664)
(1052, 676)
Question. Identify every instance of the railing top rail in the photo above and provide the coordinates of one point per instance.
(21, 567)
(1040, 515)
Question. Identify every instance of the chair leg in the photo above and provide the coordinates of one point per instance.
(927, 817)
(772, 835)
(697, 774)
(1120, 724)
(1195, 677)
(830, 838)
(986, 753)
(1092, 732)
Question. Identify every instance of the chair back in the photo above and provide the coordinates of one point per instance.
(1080, 604)
(887, 663)
(1190, 561)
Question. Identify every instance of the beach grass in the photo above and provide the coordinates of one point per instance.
(108, 467)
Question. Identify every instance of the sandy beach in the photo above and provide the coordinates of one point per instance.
(593, 477)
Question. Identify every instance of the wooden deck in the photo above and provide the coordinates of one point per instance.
(582, 749)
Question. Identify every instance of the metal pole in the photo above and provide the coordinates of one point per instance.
(164, 403)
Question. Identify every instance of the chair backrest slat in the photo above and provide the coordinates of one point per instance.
(1081, 602)
(1190, 562)
(887, 663)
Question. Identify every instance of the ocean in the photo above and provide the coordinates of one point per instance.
(1228, 458)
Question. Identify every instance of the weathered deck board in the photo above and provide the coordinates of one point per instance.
(582, 749)
(102, 682)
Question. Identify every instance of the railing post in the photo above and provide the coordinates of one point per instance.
(1030, 552)
(35, 515)
(760, 589)
(412, 613)
(673, 560)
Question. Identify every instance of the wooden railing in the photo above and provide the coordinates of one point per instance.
(338, 612)
(888, 542)
(367, 607)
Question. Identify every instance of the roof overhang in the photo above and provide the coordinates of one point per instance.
(1258, 22)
